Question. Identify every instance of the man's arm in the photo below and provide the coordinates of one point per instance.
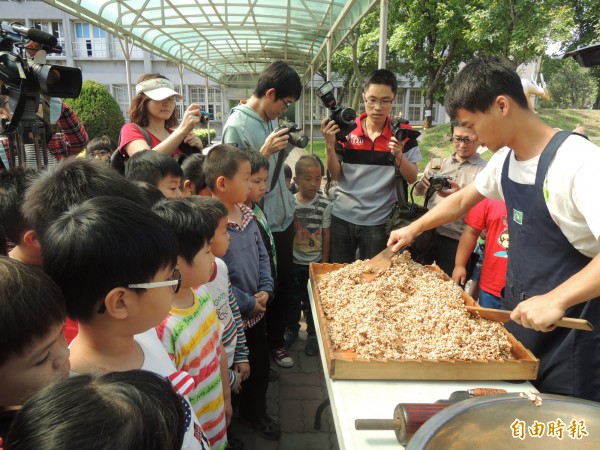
(329, 129)
(423, 184)
(449, 210)
(542, 311)
(465, 248)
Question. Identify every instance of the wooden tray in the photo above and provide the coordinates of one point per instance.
(347, 365)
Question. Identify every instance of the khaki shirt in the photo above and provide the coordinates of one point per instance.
(462, 173)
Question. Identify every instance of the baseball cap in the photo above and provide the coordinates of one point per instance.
(157, 89)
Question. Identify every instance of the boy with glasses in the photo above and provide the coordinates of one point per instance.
(115, 263)
(462, 166)
(364, 170)
(252, 125)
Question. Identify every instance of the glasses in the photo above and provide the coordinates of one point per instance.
(287, 105)
(99, 153)
(459, 140)
(174, 281)
(383, 103)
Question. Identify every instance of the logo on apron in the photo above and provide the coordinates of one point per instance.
(517, 217)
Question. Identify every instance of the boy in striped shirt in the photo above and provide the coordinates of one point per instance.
(191, 331)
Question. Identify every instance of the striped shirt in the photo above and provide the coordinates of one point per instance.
(228, 312)
(191, 338)
(309, 221)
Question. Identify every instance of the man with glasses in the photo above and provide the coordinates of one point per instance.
(252, 125)
(363, 167)
(462, 166)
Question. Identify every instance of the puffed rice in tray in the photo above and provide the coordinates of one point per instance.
(409, 323)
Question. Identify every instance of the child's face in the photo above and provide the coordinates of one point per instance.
(201, 269)
(170, 186)
(45, 361)
(258, 185)
(309, 182)
(237, 188)
(154, 304)
(220, 242)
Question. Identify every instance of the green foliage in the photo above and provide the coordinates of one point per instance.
(570, 85)
(202, 133)
(97, 110)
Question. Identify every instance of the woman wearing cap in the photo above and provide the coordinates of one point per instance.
(153, 109)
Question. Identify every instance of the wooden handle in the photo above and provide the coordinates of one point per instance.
(478, 392)
(378, 424)
(500, 315)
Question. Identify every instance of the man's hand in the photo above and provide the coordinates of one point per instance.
(192, 140)
(191, 118)
(397, 148)
(401, 237)
(275, 142)
(329, 129)
(540, 312)
(243, 370)
(446, 192)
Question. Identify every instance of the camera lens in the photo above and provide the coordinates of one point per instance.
(348, 115)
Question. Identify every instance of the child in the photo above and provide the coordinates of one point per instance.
(155, 168)
(31, 356)
(140, 409)
(191, 331)
(487, 215)
(219, 287)
(312, 240)
(194, 181)
(227, 171)
(100, 149)
(115, 262)
(13, 185)
(228, 311)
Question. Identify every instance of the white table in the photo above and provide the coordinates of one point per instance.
(362, 399)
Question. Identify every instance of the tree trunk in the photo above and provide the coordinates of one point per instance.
(428, 119)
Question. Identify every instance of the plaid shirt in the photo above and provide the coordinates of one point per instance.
(70, 141)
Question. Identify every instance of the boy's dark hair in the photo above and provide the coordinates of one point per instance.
(100, 143)
(453, 124)
(382, 76)
(193, 227)
(257, 160)
(151, 193)
(31, 304)
(104, 243)
(13, 185)
(211, 206)
(477, 85)
(71, 182)
(223, 160)
(151, 166)
(281, 77)
(287, 171)
(140, 409)
(192, 170)
(306, 161)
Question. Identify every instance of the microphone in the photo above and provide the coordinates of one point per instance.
(32, 34)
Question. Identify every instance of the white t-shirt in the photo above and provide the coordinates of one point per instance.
(570, 188)
(157, 360)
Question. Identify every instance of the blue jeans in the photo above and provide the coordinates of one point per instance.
(299, 296)
(348, 237)
(488, 300)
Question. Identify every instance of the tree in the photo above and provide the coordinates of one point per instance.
(97, 110)
(428, 39)
(570, 85)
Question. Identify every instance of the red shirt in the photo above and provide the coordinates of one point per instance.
(130, 133)
(490, 215)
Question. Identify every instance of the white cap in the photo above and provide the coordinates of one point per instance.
(157, 89)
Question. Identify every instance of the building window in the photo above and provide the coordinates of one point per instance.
(398, 109)
(55, 28)
(415, 106)
(120, 95)
(90, 41)
(179, 103)
(214, 105)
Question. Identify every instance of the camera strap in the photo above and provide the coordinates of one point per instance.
(277, 171)
(398, 178)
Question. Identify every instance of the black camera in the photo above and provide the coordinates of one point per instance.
(344, 117)
(296, 137)
(439, 182)
(402, 131)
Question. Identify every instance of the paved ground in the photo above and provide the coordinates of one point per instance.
(293, 401)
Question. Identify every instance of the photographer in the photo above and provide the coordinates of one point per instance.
(462, 167)
(365, 174)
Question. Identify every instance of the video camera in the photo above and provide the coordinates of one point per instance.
(24, 80)
(296, 137)
(344, 117)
